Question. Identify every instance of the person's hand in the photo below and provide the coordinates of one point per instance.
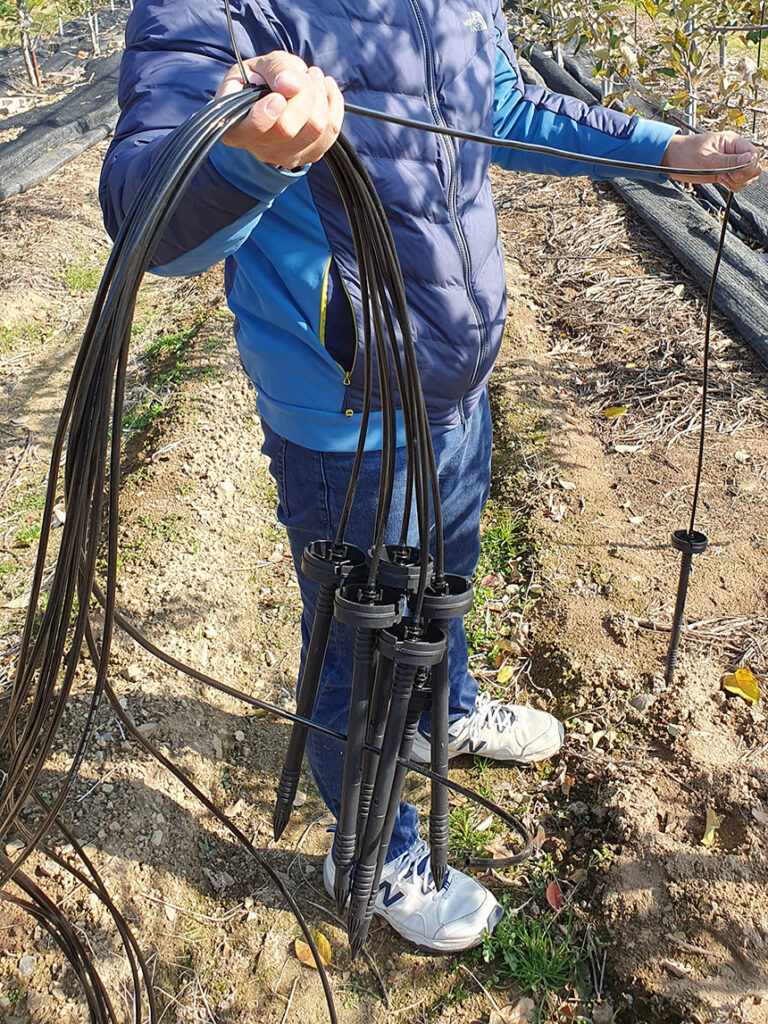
(714, 149)
(297, 122)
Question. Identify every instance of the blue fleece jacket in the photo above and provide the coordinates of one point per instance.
(291, 275)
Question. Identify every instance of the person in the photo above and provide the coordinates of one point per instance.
(266, 203)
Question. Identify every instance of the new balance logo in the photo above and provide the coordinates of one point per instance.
(387, 896)
(475, 22)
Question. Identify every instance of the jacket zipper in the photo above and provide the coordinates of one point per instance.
(348, 410)
(451, 192)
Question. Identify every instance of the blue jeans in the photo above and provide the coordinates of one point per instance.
(311, 487)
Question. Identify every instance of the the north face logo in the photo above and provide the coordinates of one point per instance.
(476, 22)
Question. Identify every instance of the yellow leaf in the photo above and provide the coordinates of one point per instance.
(615, 411)
(713, 824)
(742, 683)
(505, 674)
(304, 953)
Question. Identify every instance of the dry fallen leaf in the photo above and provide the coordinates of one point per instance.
(505, 674)
(713, 824)
(742, 683)
(615, 411)
(495, 579)
(498, 850)
(304, 953)
(520, 1013)
(554, 896)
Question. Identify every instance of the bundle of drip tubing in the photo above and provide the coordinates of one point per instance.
(397, 598)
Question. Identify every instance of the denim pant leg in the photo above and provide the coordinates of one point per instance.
(311, 490)
(463, 458)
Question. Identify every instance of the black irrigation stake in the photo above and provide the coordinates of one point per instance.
(330, 566)
(413, 652)
(400, 569)
(366, 612)
(448, 598)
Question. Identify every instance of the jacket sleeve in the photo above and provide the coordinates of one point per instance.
(176, 55)
(528, 113)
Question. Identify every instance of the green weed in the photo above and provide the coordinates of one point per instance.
(540, 873)
(167, 358)
(27, 535)
(535, 955)
(8, 339)
(141, 416)
(83, 277)
(463, 837)
(162, 529)
(30, 501)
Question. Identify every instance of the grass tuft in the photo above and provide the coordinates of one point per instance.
(533, 954)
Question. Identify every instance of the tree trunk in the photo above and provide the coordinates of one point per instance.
(30, 60)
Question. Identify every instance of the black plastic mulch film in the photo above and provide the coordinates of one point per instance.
(397, 598)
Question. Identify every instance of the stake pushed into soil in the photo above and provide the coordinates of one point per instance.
(690, 545)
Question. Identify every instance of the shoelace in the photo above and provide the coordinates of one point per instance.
(493, 713)
(414, 867)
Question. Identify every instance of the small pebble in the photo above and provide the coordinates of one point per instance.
(642, 701)
(132, 673)
(27, 966)
(157, 837)
(239, 736)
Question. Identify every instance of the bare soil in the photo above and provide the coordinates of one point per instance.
(600, 317)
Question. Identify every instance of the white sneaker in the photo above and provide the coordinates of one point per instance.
(455, 918)
(504, 732)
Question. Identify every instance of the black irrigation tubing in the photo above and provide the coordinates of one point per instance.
(530, 147)
(110, 322)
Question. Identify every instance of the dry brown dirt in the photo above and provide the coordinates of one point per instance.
(599, 317)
